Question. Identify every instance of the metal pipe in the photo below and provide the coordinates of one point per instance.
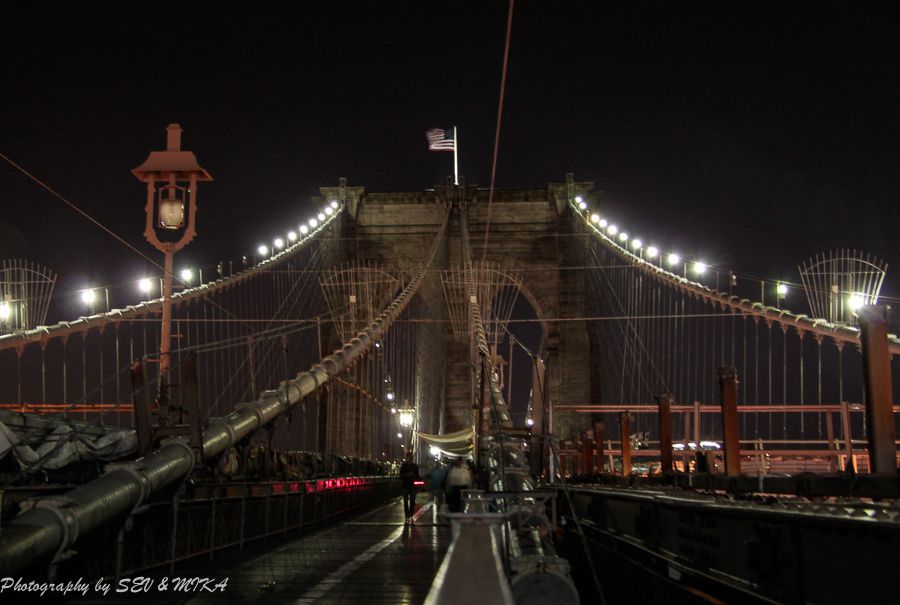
(55, 523)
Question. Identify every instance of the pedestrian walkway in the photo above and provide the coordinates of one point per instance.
(371, 558)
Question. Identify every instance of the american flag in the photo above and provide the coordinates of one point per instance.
(440, 140)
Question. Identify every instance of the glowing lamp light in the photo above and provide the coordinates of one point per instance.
(393, 410)
(334, 204)
(399, 435)
(292, 236)
(5, 310)
(612, 229)
(529, 421)
(389, 396)
(636, 243)
(782, 289)
(595, 218)
(329, 210)
(321, 217)
(313, 223)
(434, 450)
(699, 268)
(652, 251)
(187, 275)
(673, 259)
(579, 200)
(583, 205)
(623, 237)
(603, 223)
(88, 296)
(145, 285)
(263, 250)
(856, 301)
(406, 418)
(304, 229)
(279, 243)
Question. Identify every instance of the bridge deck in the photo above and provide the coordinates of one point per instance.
(371, 558)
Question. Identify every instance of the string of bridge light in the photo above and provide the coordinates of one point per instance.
(266, 252)
(620, 238)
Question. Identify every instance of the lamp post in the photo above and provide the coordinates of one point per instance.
(171, 176)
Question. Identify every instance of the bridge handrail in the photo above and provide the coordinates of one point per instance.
(802, 323)
(23, 338)
(54, 524)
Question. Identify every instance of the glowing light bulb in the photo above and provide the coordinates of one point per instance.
(579, 200)
(292, 236)
(263, 250)
(187, 275)
(623, 237)
(304, 229)
(603, 223)
(313, 223)
(279, 243)
(529, 422)
(321, 217)
(699, 268)
(595, 218)
(145, 285)
(434, 450)
(652, 251)
(389, 396)
(88, 296)
(334, 204)
(673, 259)
(5, 310)
(612, 229)
(782, 289)
(636, 243)
(399, 435)
(329, 210)
(856, 301)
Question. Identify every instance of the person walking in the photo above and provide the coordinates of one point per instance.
(458, 479)
(437, 476)
(409, 474)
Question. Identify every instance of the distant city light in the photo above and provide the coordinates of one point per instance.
(88, 296)
(263, 250)
(699, 267)
(612, 229)
(673, 259)
(304, 229)
(652, 251)
(334, 204)
(636, 243)
(145, 285)
(5, 310)
(603, 223)
(187, 275)
(279, 243)
(595, 218)
(292, 236)
(782, 289)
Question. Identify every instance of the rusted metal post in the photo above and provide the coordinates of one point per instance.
(587, 453)
(664, 402)
(728, 382)
(625, 437)
(880, 429)
(599, 436)
(847, 430)
(141, 407)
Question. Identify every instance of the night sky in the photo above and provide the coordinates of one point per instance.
(747, 135)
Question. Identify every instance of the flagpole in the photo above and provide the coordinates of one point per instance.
(455, 150)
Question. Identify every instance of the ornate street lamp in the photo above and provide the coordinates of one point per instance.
(171, 176)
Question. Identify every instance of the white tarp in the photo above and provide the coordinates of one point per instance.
(64, 445)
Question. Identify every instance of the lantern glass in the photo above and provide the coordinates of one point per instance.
(171, 213)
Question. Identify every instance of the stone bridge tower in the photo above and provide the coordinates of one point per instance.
(531, 233)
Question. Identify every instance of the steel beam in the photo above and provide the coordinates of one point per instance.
(880, 429)
(731, 430)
